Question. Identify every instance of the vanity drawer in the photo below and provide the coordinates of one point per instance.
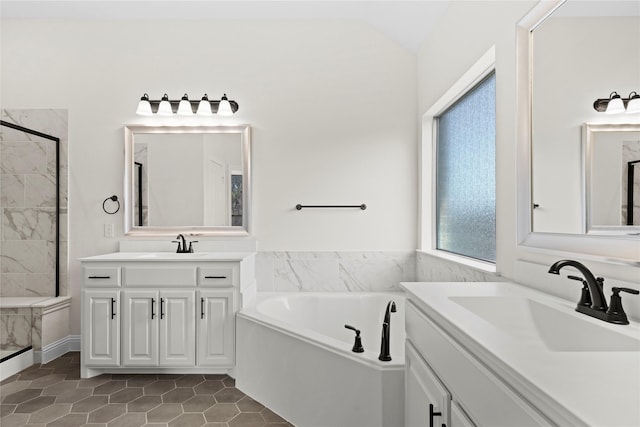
(159, 276)
(101, 276)
(221, 275)
(487, 399)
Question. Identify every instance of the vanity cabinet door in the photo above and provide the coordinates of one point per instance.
(177, 328)
(140, 331)
(427, 401)
(216, 328)
(458, 417)
(101, 327)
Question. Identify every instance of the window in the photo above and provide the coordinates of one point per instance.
(465, 187)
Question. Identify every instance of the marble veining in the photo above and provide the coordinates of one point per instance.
(333, 271)
(27, 201)
(435, 269)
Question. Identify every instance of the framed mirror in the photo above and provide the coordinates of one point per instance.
(612, 178)
(193, 180)
(553, 106)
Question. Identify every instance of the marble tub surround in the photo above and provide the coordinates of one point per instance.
(41, 322)
(28, 200)
(430, 268)
(333, 271)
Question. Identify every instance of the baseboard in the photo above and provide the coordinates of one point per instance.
(16, 364)
(56, 349)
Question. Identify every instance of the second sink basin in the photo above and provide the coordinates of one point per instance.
(526, 320)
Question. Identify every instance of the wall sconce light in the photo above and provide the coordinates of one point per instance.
(186, 107)
(616, 104)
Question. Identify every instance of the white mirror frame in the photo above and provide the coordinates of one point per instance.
(614, 249)
(589, 130)
(227, 231)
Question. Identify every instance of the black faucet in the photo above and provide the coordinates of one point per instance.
(592, 301)
(386, 332)
(182, 245)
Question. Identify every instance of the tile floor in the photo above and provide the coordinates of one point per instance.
(54, 395)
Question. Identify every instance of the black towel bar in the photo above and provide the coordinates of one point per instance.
(300, 207)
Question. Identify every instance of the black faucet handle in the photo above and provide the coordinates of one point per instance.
(179, 245)
(585, 295)
(615, 312)
(627, 290)
(191, 247)
(357, 344)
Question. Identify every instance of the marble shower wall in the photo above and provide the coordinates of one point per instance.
(333, 271)
(27, 203)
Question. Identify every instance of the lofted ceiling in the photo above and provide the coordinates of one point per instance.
(408, 23)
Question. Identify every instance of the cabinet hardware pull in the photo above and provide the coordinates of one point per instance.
(215, 277)
(99, 277)
(153, 303)
(202, 308)
(113, 308)
(162, 308)
(433, 414)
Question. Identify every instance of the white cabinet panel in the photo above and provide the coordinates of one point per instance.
(177, 328)
(458, 417)
(427, 401)
(101, 327)
(216, 328)
(140, 328)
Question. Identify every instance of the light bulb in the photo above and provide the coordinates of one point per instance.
(164, 109)
(633, 106)
(204, 108)
(184, 108)
(615, 105)
(224, 107)
(144, 106)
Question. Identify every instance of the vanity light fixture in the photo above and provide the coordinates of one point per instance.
(164, 109)
(615, 104)
(186, 107)
(204, 107)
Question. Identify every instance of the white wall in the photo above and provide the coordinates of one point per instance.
(332, 107)
(467, 31)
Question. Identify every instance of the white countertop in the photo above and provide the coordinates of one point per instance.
(170, 256)
(584, 381)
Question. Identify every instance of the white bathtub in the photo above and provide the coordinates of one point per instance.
(294, 355)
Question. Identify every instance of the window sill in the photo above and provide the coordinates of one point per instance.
(486, 267)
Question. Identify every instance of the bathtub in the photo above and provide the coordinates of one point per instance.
(293, 354)
(34, 330)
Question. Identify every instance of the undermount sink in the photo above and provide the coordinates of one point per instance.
(171, 255)
(526, 320)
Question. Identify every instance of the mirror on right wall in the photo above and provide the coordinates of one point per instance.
(581, 52)
(571, 53)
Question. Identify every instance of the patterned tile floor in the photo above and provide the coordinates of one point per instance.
(54, 395)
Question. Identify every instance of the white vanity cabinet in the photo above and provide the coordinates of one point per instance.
(158, 328)
(101, 327)
(442, 373)
(174, 315)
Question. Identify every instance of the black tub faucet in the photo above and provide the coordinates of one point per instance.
(386, 332)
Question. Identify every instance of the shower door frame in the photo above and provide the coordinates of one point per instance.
(57, 141)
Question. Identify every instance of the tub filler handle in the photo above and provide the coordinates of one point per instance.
(357, 345)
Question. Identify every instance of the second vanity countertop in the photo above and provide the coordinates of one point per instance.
(563, 362)
(170, 256)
